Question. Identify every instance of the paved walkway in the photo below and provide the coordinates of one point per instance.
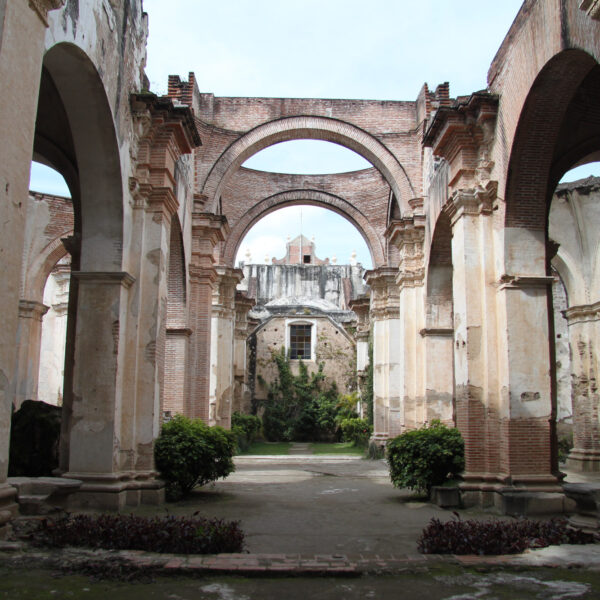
(308, 515)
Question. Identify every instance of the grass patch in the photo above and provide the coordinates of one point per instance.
(266, 448)
(341, 448)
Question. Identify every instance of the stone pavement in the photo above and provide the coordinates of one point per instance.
(310, 515)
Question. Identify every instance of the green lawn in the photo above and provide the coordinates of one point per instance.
(267, 448)
(341, 448)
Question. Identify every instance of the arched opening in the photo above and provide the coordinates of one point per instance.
(439, 327)
(75, 136)
(554, 226)
(177, 332)
(302, 290)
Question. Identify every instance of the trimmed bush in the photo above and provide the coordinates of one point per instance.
(498, 537)
(190, 453)
(180, 535)
(246, 429)
(356, 430)
(422, 458)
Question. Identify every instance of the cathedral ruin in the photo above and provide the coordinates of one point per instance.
(483, 301)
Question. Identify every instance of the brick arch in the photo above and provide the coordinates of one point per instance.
(311, 197)
(309, 127)
(534, 167)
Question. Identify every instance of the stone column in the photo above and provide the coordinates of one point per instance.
(584, 331)
(94, 451)
(221, 347)
(241, 395)
(29, 337)
(385, 317)
(360, 306)
(22, 30)
(207, 230)
(408, 235)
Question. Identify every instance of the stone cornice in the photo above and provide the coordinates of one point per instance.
(41, 8)
(179, 331)
(524, 282)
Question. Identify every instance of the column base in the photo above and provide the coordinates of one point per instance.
(583, 461)
(379, 439)
(115, 491)
(9, 508)
(517, 495)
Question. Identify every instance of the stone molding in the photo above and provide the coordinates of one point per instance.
(104, 278)
(584, 313)
(408, 235)
(41, 8)
(31, 309)
(591, 7)
(439, 332)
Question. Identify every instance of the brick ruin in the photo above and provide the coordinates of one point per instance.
(467, 230)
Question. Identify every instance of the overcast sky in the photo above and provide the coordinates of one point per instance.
(383, 49)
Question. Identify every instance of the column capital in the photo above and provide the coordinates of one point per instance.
(472, 202)
(41, 8)
(408, 235)
(385, 294)
(104, 278)
(224, 291)
(31, 309)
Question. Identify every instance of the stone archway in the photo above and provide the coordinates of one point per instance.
(308, 127)
(295, 197)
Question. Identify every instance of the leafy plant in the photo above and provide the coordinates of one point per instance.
(497, 537)
(356, 430)
(296, 407)
(179, 535)
(189, 453)
(246, 429)
(422, 458)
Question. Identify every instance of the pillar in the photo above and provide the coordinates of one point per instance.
(22, 30)
(407, 236)
(29, 337)
(360, 306)
(385, 319)
(94, 450)
(584, 330)
(222, 346)
(241, 393)
(207, 230)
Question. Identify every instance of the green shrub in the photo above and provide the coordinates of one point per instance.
(356, 430)
(189, 453)
(246, 429)
(422, 458)
(179, 535)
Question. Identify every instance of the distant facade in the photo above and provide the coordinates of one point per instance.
(302, 305)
